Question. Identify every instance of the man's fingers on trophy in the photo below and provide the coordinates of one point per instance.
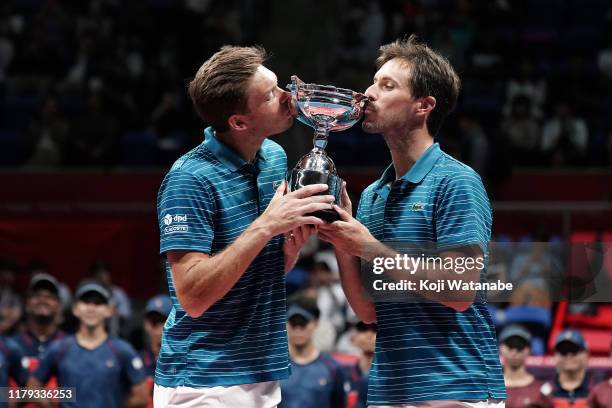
(312, 220)
(298, 234)
(328, 199)
(346, 200)
(309, 190)
(280, 190)
(344, 216)
(312, 207)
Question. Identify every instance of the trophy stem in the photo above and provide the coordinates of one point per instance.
(320, 137)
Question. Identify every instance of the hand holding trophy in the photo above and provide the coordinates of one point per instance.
(326, 109)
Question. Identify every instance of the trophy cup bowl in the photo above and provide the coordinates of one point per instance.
(326, 109)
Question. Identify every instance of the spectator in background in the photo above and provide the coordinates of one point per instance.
(7, 48)
(573, 382)
(604, 61)
(168, 121)
(49, 135)
(364, 338)
(156, 312)
(475, 143)
(372, 30)
(526, 84)
(100, 270)
(601, 395)
(105, 370)
(11, 366)
(68, 322)
(522, 131)
(316, 380)
(565, 137)
(11, 309)
(93, 137)
(43, 313)
(330, 299)
(524, 390)
(532, 274)
(345, 340)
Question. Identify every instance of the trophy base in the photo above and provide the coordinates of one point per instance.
(299, 178)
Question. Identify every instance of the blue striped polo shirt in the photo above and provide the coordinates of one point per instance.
(426, 351)
(207, 199)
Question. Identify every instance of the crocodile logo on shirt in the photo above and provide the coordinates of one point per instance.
(418, 206)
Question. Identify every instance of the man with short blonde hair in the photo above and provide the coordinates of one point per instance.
(229, 233)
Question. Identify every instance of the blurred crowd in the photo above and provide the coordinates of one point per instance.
(101, 83)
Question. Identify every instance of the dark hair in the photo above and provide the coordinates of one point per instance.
(431, 75)
(307, 303)
(219, 88)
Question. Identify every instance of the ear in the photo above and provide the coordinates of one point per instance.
(109, 310)
(237, 122)
(426, 104)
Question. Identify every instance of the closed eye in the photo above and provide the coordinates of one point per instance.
(269, 96)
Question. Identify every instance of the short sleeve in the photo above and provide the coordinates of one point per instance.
(185, 210)
(366, 196)
(463, 213)
(133, 367)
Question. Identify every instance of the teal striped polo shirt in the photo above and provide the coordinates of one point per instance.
(426, 351)
(207, 199)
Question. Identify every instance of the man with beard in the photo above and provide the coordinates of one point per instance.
(434, 348)
(42, 317)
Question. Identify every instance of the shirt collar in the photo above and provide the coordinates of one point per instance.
(418, 171)
(581, 391)
(225, 154)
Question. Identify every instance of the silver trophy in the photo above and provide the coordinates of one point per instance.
(326, 109)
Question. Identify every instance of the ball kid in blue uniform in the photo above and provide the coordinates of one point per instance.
(104, 371)
(317, 380)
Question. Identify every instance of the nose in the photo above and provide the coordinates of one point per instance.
(284, 95)
(370, 92)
